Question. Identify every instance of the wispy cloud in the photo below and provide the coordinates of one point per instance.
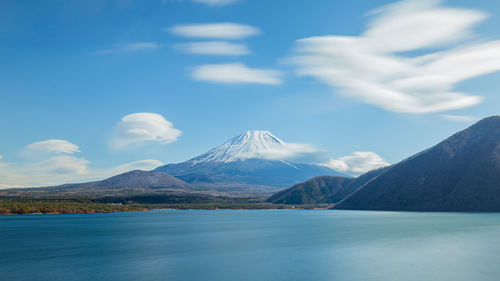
(216, 2)
(225, 30)
(130, 48)
(146, 165)
(377, 67)
(61, 165)
(137, 128)
(236, 73)
(63, 169)
(54, 146)
(220, 48)
(460, 118)
(357, 163)
(286, 151)
(52, 168)
(49, 168)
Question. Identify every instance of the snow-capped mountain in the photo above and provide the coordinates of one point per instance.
(253, 162)
(249, 145)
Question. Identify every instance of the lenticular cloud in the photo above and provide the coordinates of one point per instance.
(137, 128)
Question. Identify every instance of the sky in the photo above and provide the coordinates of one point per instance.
(93, 88)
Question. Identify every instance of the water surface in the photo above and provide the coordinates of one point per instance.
(251, 245)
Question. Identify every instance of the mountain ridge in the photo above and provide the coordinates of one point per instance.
(136, 178)
(461, 173)
(323, 189)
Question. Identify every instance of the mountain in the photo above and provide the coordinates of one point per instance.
(324, 189)
(249, 162)
(137, 185)
(249, 145)
(317, 190)
(462, 173)
(136, 178)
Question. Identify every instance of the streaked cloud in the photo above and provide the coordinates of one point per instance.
(215, 2)
(61, 165)
(54, 146)
(220, 48)
(236, 73)
(286, 151)
(55, 165)
(3, 164)
(130, 48)
(138, 128)
(357, 163)
(63, 169)
(225, 30)
(378, 68)
(146, 164)
(460, 118)
(53, 170)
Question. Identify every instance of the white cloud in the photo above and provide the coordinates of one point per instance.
(374, 68)
(289, 151)
(130, 48)
(146, 165)
(63, 169)
(460, 118)
(137, 128)
(59, 169)
(357, 163)
(285, 151)
(235, 73)
(61, 166)
(215, 2)
(54, 170)
(225, 30)
(220, 48)
(3, 164)
(54, 146)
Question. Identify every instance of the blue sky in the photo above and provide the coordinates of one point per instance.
(344, 77)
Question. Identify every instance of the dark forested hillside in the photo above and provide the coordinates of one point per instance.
(462, 173)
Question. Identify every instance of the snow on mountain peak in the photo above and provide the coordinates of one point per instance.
(251, 144)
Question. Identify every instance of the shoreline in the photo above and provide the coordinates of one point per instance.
(35, 207)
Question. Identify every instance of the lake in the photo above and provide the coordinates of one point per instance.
(251, 245)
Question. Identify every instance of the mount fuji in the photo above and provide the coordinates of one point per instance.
(253, 162)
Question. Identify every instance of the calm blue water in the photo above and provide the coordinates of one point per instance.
(251, 245)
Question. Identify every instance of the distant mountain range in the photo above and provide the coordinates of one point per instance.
(462, 173)
(239, 167)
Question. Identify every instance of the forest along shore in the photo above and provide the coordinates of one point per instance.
(19, 207)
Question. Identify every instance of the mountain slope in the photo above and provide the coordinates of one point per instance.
(462, 173)
(249, 145)
(136, 178)
(126, 184)
(249, 162)
(325, 189)
(316, 190)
